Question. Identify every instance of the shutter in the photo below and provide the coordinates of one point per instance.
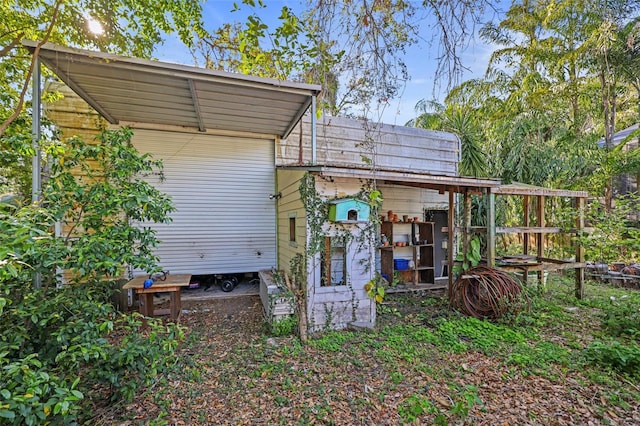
(220, 186)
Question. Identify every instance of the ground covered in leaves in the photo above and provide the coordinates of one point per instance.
(423, 364)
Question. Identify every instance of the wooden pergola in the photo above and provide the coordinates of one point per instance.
(533, 199)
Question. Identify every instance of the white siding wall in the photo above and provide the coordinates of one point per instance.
(225, 221)
(337, 306)
(340, 143)
(411, 201)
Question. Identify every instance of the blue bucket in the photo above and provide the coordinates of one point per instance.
(400, 264)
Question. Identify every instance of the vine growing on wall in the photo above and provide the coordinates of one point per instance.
(317, 213)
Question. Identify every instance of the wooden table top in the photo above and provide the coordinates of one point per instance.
(177, 280)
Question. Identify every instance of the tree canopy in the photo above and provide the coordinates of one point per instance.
(560, 79)
(125, 27)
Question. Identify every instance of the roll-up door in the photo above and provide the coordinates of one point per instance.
(220, 185)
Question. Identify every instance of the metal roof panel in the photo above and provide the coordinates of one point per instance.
(139, 90)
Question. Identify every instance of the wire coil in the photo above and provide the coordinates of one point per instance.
(485, 292)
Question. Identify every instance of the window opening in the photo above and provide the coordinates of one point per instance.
(333, 263)
(292, 229)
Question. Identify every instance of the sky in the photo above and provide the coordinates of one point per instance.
(420, 58)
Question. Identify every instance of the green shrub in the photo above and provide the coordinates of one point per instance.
(416, 406)
(30, 395)
(284, 326)
(459, 335)
(615, 355)
(622, 316)
(62, 350)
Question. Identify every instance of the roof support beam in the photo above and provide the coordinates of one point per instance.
(450, 248)
(526, 223)
(298, 117)
(196, 104)
(36, 176)
(81, 92)
(36, 181)
(313, 131)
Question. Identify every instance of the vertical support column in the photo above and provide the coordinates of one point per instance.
(313, 130)
(452, 228)
(327, 262)
(491, 229)
(36, 182)
(579, 287)
(175, 304)
(541, 224)
(540, 236)
(526, 224)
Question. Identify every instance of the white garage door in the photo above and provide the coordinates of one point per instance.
(225, 221)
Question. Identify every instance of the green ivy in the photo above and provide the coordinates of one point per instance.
(317, 212)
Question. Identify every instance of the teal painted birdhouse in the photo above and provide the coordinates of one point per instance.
(349, 210)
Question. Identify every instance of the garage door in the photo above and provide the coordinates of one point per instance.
(225, 221)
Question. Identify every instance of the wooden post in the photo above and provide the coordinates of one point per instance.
(491, 229)
(540, 236)
(327, 262)
(527, 223)
(579, 288)
(452, 229)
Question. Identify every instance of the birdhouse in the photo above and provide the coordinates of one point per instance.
(349, 210)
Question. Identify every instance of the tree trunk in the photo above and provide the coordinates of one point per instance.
(298, 286)
(608, 108)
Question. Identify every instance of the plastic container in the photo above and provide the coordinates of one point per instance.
(400, 264)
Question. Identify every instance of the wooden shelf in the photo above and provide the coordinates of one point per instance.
(419, 251)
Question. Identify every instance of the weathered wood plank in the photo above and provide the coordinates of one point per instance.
(344, 142)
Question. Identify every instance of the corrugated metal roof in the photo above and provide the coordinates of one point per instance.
(619, 136)
(440, 182)
(136, 90)
(517, 188)
(422, 180)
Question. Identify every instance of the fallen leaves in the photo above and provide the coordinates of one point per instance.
(233, 373)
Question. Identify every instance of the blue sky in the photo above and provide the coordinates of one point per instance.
(420, 58)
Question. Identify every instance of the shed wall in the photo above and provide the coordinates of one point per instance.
(290, 206)
(405, 200)
(336, 307)
(341, 142)
(72, 115)
(220, 185)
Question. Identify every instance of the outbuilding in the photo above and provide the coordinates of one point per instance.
(262, 185)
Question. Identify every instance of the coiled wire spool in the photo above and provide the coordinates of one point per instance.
(484, 292)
